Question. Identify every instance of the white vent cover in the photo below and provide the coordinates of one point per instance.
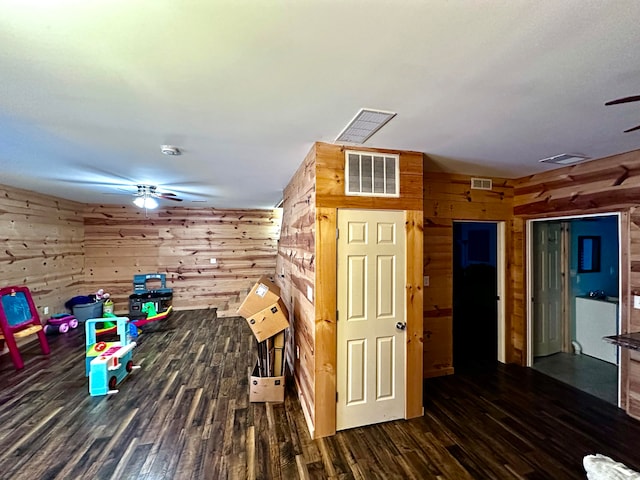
(481, 184)
(366, 122)
(372, 174)
(565, 158)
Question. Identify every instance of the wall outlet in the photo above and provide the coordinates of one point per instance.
(213, 261)
(426, 281)
(45, 310)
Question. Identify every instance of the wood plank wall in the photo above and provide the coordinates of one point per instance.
(330, 196)
(307, 259)
(42, 246)
(120, 242)
(330, 185)
(296, 269)
(447, 198)
(600, 186)
(516, 322)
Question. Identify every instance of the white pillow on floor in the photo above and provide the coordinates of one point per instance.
(601, 467)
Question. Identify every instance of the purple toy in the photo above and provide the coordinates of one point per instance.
(60, 323)
(55, 329)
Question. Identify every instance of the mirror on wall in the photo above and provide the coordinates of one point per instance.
(588, 254)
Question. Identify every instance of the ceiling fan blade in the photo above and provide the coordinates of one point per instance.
(123, 191)
(94, 184)
(168, 194)
(162, 195)
(632, 129)
(633, 98)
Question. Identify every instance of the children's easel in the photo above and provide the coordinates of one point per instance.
(19, 318)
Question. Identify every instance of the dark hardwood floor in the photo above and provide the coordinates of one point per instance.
(186, 414)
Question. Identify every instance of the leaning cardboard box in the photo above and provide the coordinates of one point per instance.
(266, 382)
(267, 317)
(265, 389)
(264, 310)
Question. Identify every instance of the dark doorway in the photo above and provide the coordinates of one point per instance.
(475, 295)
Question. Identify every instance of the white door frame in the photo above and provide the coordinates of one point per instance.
(529, 278)
(501, 266)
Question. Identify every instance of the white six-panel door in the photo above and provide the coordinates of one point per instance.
(371, 302)
(547, 288)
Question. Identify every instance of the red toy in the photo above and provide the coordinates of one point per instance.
(138, 323)
(19, 318)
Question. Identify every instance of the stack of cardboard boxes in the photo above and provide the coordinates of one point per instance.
(268, 319)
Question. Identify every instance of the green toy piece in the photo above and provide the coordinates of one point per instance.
(150, 309)
(108, 324)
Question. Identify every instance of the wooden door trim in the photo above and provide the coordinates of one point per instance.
(326, 328)
(624, 306)
(414, 244)
(326, 333)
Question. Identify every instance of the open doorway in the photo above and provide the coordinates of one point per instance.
(476, 263)
(574, 288)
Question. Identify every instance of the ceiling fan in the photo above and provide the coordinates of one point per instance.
(633, 98)
(146, 196)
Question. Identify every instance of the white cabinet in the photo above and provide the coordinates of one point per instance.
(596, 319)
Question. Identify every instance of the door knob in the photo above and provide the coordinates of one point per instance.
(401, 325)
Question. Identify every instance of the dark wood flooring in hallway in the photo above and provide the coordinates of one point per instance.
(185, 415)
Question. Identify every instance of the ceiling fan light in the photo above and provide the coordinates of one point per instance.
(150, 203)
(146, 202)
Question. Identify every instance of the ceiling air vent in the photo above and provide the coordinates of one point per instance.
(481, 184)
(364, 125)
(372, 175)
(565, 158)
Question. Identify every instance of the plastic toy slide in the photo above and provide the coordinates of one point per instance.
(138, 323)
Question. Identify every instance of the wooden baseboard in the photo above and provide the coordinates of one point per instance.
(438, 373)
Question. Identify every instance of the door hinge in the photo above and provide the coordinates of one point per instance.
(337, 233)
(336, 397)
(336, 315)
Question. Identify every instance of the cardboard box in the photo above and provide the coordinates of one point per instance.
(266, 323)
(265, 389)
(263, 294)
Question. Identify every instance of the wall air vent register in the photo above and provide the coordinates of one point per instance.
(372, 175)
(481, 184)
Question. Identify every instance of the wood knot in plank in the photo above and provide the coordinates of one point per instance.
(618, 181)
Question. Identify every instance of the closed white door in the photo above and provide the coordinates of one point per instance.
(371, 317)
(547, 288)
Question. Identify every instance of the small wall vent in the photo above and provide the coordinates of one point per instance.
(372, 175)
(481, 184)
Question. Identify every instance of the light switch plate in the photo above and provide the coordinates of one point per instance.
(426, 281)
(309, 293)
(636, 301)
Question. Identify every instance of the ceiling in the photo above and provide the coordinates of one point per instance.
(90, 90)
